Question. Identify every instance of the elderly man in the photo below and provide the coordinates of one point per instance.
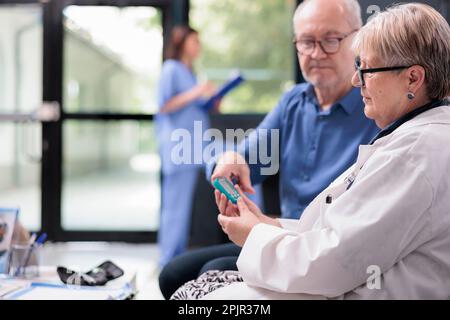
(321, 124)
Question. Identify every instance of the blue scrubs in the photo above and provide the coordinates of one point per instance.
(179, 180)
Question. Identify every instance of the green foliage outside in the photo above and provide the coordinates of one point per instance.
(254, 36)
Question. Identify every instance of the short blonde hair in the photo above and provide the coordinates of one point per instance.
(411, 34)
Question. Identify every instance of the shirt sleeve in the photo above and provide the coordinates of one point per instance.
(379, 220)
(261, 149)
(261, 135)
(289, 224)
(168, 84)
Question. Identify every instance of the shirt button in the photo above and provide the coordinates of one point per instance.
(305, 177)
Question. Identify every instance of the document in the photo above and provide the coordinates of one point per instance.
(49, 291)
(231, 84)
(8, 288)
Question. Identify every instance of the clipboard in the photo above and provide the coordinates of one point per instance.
(231, 84)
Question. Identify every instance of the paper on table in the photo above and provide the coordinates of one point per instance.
(8, 288)
(62, 292)
(42, 293)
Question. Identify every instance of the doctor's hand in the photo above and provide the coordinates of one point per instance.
(204, 89)
(238, 227)
(232, 164)
(227, 208)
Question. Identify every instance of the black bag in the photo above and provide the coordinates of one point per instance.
(98, 276)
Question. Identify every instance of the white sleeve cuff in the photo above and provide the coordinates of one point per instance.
(289, 224)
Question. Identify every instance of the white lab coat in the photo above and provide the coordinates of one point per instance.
(396, 216)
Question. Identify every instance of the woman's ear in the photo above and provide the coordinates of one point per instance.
(416, 78)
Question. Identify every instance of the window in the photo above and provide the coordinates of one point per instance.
(112, 59)
(20, 92)
(111, 169)
(252, 36)
(111, 176)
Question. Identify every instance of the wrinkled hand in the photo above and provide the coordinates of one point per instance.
(225, 206)
(238, 220)
(238, 227)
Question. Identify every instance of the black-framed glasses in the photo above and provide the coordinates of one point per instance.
(329, 45)
(361, 72)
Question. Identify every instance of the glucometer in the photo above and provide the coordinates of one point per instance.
(227, 188)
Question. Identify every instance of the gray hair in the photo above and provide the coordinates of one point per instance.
(351, 7)
(411, 34)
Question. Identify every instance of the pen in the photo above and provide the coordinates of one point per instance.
(32, 245)
(41, 239)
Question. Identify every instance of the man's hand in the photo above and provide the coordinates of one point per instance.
(232, 164)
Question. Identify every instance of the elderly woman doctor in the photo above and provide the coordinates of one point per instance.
(382, 229)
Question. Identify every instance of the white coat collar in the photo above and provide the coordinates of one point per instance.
(439, 115)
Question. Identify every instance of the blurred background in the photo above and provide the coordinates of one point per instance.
(93, 173)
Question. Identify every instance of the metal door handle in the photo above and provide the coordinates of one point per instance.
(49, 111)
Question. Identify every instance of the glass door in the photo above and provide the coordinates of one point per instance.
(21, 42)
(83, 164)
(110, 183)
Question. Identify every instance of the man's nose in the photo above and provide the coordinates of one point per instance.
(318, 52)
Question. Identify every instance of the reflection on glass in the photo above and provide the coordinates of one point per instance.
(253, 36)
(112, 58)
(20, 58)
(20, 171)
(21, 91)
(111, 176)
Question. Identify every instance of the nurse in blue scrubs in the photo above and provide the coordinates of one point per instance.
(180, 100)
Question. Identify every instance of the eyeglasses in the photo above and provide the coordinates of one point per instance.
(361, 72)
(329, 45)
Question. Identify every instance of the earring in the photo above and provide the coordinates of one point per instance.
(410, 95)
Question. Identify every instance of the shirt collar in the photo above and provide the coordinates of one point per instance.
(349, 102)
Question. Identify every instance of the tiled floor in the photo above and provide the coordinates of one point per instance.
(138, 258)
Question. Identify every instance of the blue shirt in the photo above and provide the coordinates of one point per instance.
(315, 146)
(177, 78)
